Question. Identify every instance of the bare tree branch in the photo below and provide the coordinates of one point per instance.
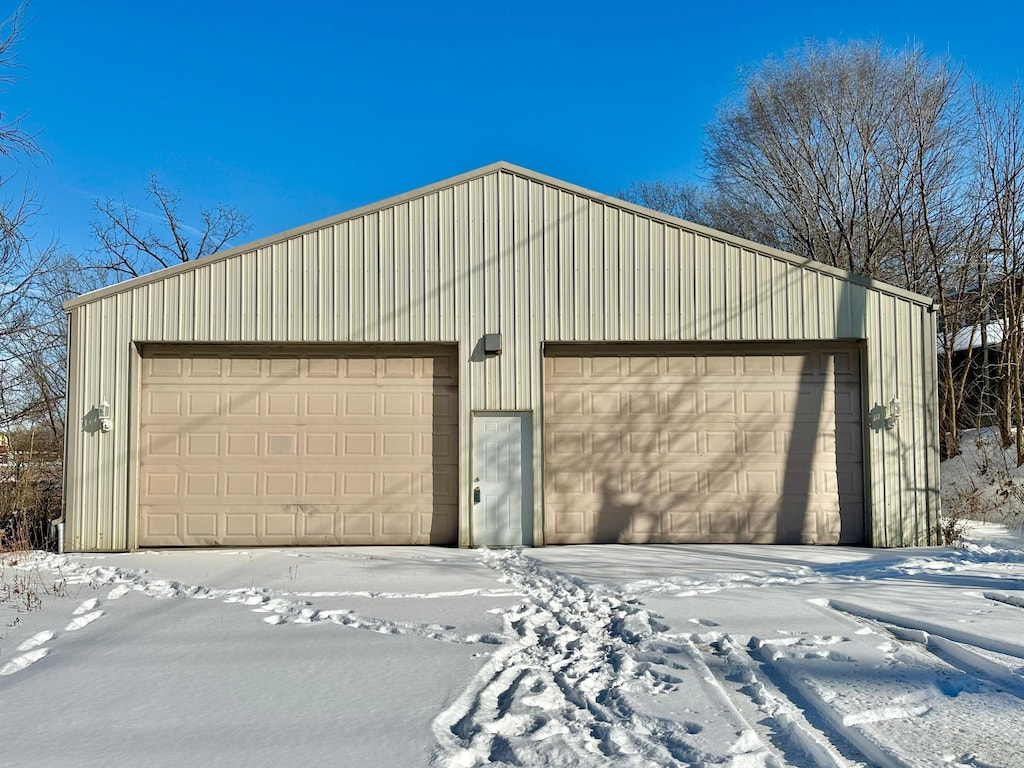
(684, 201)
(128, 248)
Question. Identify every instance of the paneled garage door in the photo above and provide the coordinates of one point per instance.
(251, 446)
(648, 443)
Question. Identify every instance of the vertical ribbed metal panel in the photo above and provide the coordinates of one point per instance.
(777, 272)
(505, 253)
(928, 484)
(910, 431)
(596, 260)
(656, 288)
(354, 257)
(748, 294)
(673, 309)
(687, 286)
(725, 297)
(627, 276)
(874, 379)
(611, 310)
(385, 269)
(490, 260)
(74, 445)
(455, 207)
(641, 298)
(411, 290)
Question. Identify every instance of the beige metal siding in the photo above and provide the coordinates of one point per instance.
(258, 446)
(508, 251)
(674, 444)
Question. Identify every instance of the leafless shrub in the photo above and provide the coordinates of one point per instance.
(25, 588)
(958, 511)
(30, 490)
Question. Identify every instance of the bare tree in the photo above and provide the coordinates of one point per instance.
(15, 140)
(29, 498)
(1001, 161)
(128, 246)
(21, 264)
(825, 151)
(42, 351)
(860, 157)
(682, 200)
(17, 201)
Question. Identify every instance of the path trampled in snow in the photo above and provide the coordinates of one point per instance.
(570, 686)
(563, 689)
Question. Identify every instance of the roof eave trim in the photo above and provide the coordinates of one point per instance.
(718, 234)
(162, 274)
(502, 165)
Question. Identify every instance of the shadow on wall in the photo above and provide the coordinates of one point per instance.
(703, 460)
(444, 452)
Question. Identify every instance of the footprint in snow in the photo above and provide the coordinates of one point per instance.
(119, 591)
(18, 663)
(87, 606)
(36, 640)
(82, 621)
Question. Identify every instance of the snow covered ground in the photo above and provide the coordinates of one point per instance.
(576, 656)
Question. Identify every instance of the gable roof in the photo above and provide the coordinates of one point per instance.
(486, 170)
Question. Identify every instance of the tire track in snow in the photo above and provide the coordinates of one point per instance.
(558, 692)
(960, 654)
(965, 636)
(999, 597)
(785, 720)
(785, 663)
(896, 692)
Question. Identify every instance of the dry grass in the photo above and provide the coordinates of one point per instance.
(23, 588)
(30, 497)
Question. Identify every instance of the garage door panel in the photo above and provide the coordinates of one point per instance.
(719, 446)
(283, 449)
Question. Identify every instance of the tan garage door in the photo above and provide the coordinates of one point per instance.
(655, 444)
(251, 446)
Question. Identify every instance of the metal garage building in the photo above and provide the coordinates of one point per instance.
(500, 358)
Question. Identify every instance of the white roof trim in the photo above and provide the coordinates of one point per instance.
(739, 242)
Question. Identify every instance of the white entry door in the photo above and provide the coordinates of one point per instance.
(503, 480)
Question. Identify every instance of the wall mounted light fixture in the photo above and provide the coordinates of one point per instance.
(103, 416)
(893, 413)
(492, 344)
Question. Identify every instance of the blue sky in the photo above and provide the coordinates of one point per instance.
(293, 112)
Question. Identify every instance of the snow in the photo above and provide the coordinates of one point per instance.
(984, 481)
(970, 337)
(740, 656)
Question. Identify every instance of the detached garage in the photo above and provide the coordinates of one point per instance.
(500, 359)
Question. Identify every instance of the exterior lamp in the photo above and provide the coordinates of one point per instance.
(492, 344)
(103, 416)
(893, 413)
